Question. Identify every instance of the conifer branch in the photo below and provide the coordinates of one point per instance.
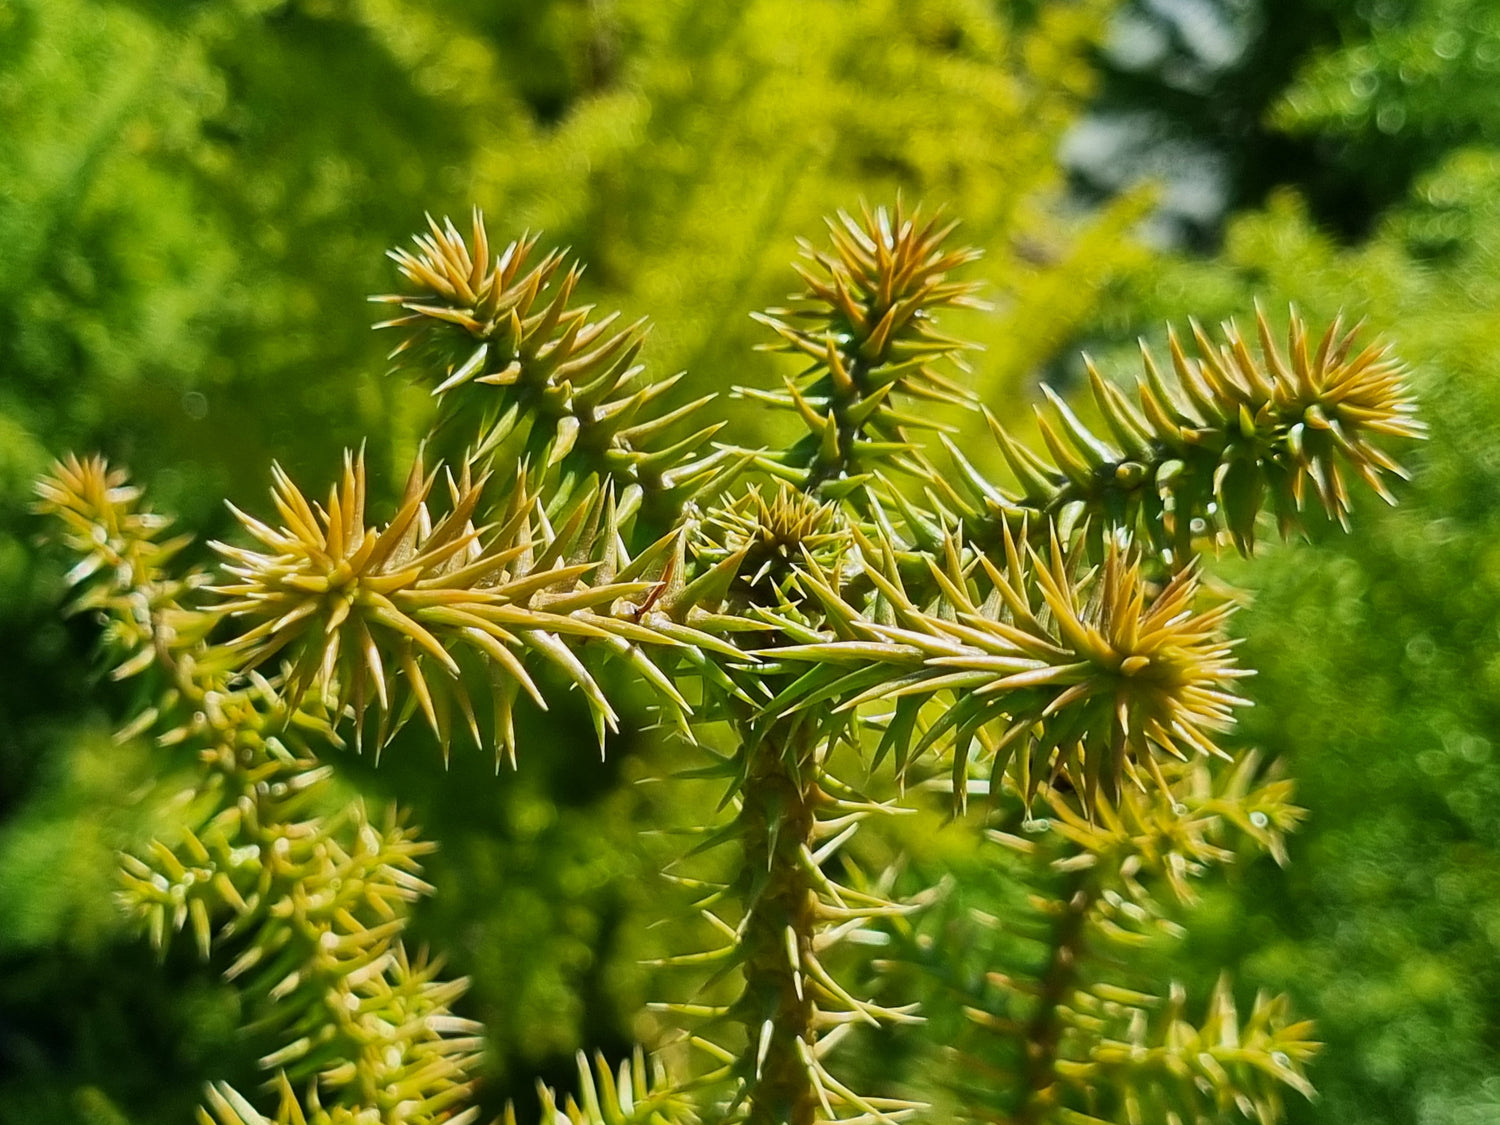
(355, 611)
(789, 822)
(512, 356)
(1050, 666)
(1100, 1042)
(817, 610)
(1207, 447)
(864, 324)
(312, 903)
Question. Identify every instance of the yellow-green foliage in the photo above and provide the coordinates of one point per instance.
(733, 131)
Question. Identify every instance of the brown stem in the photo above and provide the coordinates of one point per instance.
(1044, 1030)
(777, 820)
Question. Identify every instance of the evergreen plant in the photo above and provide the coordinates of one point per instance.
(831, 632)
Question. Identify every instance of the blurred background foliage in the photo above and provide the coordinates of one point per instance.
(194, 200)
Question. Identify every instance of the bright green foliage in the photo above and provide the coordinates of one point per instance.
(635, 1094)
(185, 191)
(1419, 82)
(1379, 654)
(175, 242)
(764, 625)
